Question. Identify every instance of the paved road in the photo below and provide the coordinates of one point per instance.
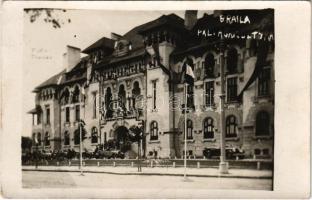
(36, 179)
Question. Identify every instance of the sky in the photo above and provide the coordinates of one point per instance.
(44, 45)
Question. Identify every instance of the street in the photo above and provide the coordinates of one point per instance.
(39, 179)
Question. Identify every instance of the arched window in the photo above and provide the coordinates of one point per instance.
(39, 138)
(231, 62)
(231, 126)
(94, 135)
(122, 96)
(108, 103)
(189, 129)
(76, 94)
(77, 137)
(190, 96)
(65, 96)
(66, 138)
(262, 124)
(208, 128)
(47, 139)
(264, 82)
(136, 91)
(209, 66)
(154, 130)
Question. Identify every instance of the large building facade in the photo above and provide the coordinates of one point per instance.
(135, 79)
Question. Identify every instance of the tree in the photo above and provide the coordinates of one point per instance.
(49, 15)
(26, 143)
(136, 135)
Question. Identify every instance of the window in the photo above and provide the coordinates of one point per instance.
(108, 100)
(190, 96)
(39, 138)
(94, 104)
(209, 93)
(48, 115)
(46, 139)
(136, 91)
(208, 128)
(232, 89)
(262, 124)
(265, 152)
(65, 97)
(231, 61)
(77, 112)
(231, 126)
(264, 82)
(257, 151)
(38, 118)
(189, 128)
(154, 130)
(154, 93)
(67, 114)
(77, 137)
(122, 96)
(66, 138)
(76, 95)
(209, 66)
(94, 135)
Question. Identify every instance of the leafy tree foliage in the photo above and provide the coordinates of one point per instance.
(48, 15)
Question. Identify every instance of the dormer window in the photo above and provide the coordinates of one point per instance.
(120, 46)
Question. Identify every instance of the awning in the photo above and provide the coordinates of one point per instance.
(35, 110)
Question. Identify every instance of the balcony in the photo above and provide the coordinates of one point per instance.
(120, 113)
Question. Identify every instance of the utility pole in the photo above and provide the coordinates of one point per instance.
(80, 147)
(223, 166)
(185, 128)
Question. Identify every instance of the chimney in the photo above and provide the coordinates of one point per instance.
(71, 58)
(190, 19)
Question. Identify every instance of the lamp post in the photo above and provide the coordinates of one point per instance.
(210, 95)
(80, 147)
(223, 166)
(37, 155)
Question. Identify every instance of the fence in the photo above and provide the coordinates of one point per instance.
(191, 163)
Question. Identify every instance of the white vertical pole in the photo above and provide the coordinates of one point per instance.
(210, 99)
(185, 128)
(80, 138)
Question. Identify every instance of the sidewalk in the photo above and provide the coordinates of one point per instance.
(158, 171)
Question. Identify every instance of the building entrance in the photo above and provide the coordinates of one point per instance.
(122, 138)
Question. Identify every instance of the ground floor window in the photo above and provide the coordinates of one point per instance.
(231, 126)
(208, 128)
(189, 132)
(47, 139)
(262, 124)
(154, 130)
(77, 137)
(94, 135)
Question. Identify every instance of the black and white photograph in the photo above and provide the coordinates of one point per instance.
(152, 100)
(174, 95)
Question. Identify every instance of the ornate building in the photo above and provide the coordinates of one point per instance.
(134, 79)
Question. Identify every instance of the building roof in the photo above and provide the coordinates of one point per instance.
(66, 77)
(171, 20)
(104, 42)
(113, 59)
(54, 80)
